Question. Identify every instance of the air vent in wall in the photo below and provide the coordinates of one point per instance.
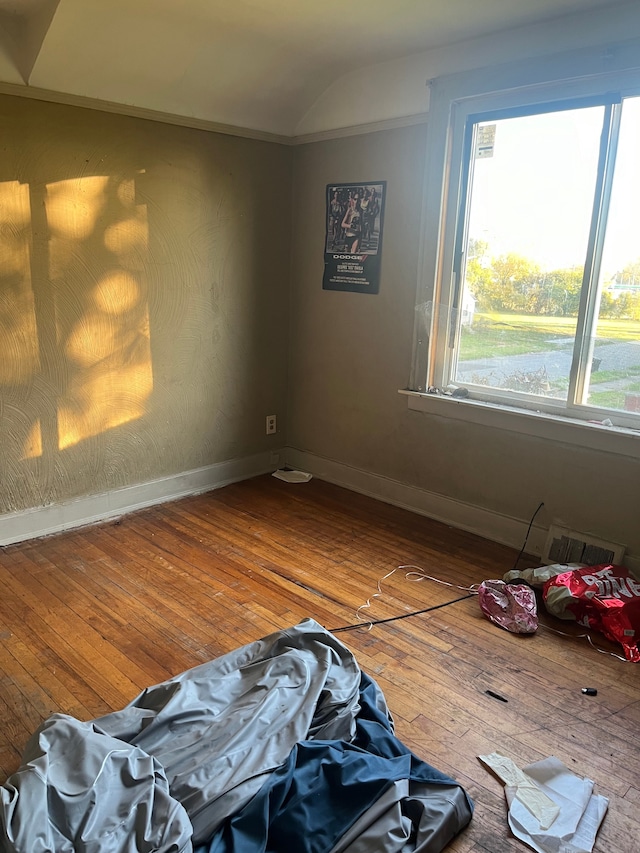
(570, 546)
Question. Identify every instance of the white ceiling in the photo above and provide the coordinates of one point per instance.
(258, 64)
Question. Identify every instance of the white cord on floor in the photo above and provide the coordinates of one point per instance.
(417, 574)
(369, 600)
(420, 575)
(585, 637)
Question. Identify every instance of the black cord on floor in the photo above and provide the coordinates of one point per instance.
(526, 538)
(402, 616)
(435, 606)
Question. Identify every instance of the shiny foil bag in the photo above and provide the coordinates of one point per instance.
(511, 606)
(605, 598)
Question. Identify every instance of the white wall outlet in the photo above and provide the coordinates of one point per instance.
(271, 424)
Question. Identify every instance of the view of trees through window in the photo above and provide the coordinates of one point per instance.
(529, 215)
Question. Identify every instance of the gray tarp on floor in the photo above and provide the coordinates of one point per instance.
(165, 772)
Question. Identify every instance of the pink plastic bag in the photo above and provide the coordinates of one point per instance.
(510, 606)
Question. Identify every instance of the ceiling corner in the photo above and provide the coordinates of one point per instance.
(23, 31)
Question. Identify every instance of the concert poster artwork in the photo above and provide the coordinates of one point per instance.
(355, 215)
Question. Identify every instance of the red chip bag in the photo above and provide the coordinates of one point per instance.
(605, 598)
(509, 605)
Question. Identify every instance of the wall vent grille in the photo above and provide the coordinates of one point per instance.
(570, 546)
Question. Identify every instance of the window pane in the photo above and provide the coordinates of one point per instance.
(615, 368)
(532, 181)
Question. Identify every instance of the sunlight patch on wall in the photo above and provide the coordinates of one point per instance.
(18, 332)
(110, 351)
(129, 237)
(117, 294)
(33, 443)
(73, 206)
(98, 253)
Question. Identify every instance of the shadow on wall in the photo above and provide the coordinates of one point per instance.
(74, 316)
(143, 303)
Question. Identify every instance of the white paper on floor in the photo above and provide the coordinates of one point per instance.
(541, 789)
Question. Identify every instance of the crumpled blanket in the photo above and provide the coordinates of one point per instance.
(280, 745)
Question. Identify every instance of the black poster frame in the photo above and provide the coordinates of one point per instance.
(353, 237)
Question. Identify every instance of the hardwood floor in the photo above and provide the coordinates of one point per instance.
(90, 617)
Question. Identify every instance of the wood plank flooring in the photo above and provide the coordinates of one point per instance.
(90, 617)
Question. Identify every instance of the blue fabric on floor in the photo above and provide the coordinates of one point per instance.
(280, 746)
(311, 800)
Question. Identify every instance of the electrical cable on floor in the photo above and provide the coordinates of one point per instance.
(553, 630)
(418, 575)
(402, 616)
(526, 538)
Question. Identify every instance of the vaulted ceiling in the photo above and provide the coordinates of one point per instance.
(257, 64)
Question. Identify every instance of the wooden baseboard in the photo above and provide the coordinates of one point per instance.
(474, 519)
(42, 521)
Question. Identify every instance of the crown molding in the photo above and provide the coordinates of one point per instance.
(133, 111)
(357, 129)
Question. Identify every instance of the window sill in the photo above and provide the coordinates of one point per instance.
(595, 436)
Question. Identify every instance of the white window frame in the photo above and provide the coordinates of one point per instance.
(454, 100)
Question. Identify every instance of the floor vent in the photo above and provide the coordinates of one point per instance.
(569, 546)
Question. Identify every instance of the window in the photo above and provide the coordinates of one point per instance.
(537, 297)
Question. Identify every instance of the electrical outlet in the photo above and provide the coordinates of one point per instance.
(271, 424)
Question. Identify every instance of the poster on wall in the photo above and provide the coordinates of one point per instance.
(355, 214)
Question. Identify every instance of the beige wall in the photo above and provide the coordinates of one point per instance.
(350, 353)
(143, 299)
(144, 310)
